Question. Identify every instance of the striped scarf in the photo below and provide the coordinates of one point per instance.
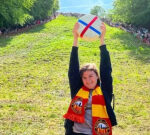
(100, 120)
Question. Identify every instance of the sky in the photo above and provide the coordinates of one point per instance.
(83, 6)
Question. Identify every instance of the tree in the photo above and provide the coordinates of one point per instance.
(136, 12)
(42, 9)
(19, 12)
(56, 5)
(98, 11)
(14, 12)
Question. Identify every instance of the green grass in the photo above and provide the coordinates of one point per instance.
(34, 90)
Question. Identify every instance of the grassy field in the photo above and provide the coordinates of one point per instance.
(34, 90)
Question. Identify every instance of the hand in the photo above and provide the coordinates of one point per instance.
(75, 30)
(75, 34)
(103, 32)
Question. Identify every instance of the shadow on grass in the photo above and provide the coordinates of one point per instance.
(6, 39)
(138, 49)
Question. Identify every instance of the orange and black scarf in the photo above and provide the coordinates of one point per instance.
(100, 120)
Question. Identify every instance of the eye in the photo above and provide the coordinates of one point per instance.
(84, 78)
(91, 76)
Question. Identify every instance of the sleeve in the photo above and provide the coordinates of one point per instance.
(75, 81)
(105, 72)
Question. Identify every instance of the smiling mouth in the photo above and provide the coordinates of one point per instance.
(89, 84)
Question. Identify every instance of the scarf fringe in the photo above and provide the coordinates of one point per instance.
(75, 118)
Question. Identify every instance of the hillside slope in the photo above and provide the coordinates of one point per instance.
(34, 90)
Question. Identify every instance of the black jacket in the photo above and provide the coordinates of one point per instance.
(106, 82)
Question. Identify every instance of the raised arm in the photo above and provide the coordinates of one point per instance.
(73, 73)
(105, 66)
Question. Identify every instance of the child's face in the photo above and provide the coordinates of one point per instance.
(89, 79)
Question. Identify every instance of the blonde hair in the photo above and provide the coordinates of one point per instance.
(90, 67)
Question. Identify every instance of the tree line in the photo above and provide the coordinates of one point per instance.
(136, 12)
(20, 12)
